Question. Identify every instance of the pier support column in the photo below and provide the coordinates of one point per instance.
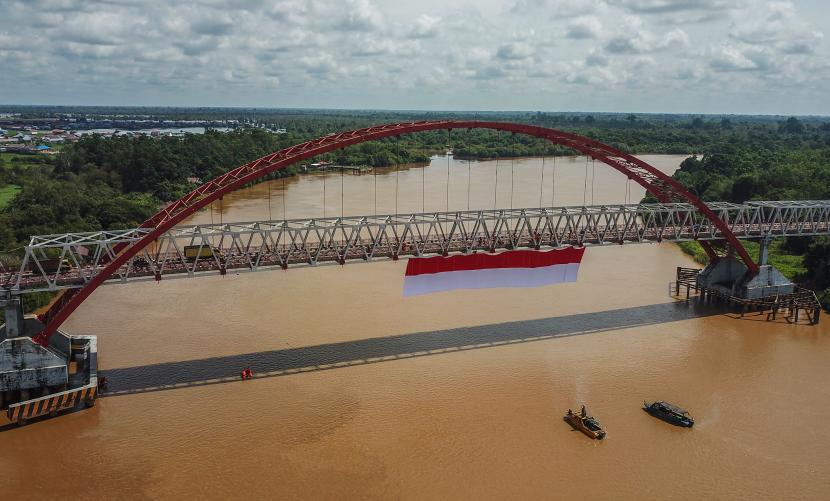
(763, 254)
(13, 308)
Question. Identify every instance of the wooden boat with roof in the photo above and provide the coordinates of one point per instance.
(669, 413)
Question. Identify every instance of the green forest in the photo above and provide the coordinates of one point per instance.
(106, 183)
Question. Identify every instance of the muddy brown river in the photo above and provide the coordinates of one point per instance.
(362, 393)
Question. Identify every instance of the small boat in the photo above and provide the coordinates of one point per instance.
(585, 423)
(669, 413)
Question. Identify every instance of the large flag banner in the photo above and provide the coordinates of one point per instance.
(518, 268)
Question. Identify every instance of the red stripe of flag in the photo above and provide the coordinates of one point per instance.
(481, 261)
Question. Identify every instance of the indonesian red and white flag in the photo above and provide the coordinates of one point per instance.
(518, 268)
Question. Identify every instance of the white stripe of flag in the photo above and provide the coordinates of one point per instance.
(519, 268)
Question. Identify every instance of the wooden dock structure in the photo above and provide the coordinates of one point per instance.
(802, 303)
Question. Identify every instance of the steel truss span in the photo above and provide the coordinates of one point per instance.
(662, 186)
(253, 246)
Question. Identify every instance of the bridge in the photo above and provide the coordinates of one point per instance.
(263, 245)
(75, 264)
(154, 249)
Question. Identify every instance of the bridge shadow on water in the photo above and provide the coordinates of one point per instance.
(218, 370)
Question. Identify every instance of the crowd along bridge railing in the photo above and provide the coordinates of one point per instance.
(66, 261)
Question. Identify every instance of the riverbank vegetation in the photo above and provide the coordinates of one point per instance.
(117, 182)
(789, 263)
(793, 165)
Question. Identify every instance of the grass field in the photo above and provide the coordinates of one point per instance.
(22, 160)
(7, 193)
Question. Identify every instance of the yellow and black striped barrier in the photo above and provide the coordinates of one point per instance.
(52, 404)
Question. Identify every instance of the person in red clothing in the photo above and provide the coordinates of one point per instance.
(247, 373)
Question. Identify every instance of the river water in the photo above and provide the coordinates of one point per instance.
(458, 395)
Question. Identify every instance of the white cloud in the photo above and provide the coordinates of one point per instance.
(584, 27)
(731, 58)
(633, 38)
(361, 15)
(529, 54)
(776, 24)
(514, 50)
(556, 8)
(665, 6)
(595, 59)
(425, 26)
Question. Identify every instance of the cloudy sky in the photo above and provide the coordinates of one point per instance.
(696, 56)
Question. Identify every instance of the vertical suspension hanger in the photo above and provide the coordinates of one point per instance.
(324, 195)
(221, 209)
(468, 185)
(342, 190)
(585, 185)
(512, 168)
(284, 217)
(424, 176)
(593, 176)
(398, 152)
(211, 222)
(375, 176)
(496, 185)
(449, 146)
(270, 215)
(553, 181)
(542, 181)
(625, 197)
(397, 178)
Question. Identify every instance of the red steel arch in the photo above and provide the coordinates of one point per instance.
(660, 185)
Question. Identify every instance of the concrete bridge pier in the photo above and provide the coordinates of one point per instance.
(13, 308)
(764, 252)
(730, 277)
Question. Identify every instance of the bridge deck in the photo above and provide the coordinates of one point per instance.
(54, 262)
